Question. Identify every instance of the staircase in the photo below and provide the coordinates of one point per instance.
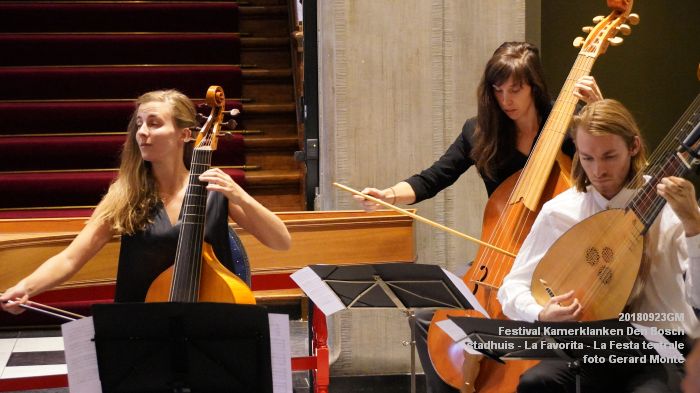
(70, 71)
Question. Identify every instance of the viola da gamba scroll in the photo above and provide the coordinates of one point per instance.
(601, 258)
(511, 210)
(197, 275)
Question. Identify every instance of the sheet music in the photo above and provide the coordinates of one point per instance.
(81, 356)
(319, 292)
(281, 353)
(464, 290)
(457, 335)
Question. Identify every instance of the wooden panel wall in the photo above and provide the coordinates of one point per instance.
(397, 80)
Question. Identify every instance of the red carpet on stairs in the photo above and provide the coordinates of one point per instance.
(56, 152)
(63, 188)
(111, 48)
(70, 72)
(127, 16)
(79, 83)
(59, 117)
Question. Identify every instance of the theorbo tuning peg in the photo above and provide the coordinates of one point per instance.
(578, 41)
(633, 19)
(587, 29)
(598, 19)
(615, 41)
(625, 29)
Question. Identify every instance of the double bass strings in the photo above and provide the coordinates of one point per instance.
(194, 210)
(545, 145)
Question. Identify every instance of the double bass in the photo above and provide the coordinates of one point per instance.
(197, 275)
(510, 213)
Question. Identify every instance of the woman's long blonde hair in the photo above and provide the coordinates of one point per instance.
(607, 117)
(129, 203)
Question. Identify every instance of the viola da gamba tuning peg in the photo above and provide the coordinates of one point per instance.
(633, 19)
(578, 41)
(615, 41)
(625, 29)
(598, 18)
(587, 29)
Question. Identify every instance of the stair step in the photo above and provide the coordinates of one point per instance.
(274, 120)
(256, 75)
(56, 49)
(271, 86)
(261, 19)
(64, 188)
(266, 52)
(62, 152)
(280, 199)
(262, 10)
(246, 3)
(272, 159)
(73, 16)
(45, 83)
(265, 42)
(112, 49)
(264, 142)
(271, 129)
(267, 178)
(80, 116)
(266, 109)
(272, 152)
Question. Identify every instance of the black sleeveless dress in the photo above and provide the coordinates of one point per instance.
(146, 254)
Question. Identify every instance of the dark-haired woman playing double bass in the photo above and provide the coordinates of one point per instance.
(513, 105)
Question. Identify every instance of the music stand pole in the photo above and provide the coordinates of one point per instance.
(576, 367)
(411, 321)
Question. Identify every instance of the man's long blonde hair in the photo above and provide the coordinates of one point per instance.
(129, 203)
(607, 117)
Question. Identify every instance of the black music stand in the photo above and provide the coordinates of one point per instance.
(537, 341)
(183, 347)
(405, 286)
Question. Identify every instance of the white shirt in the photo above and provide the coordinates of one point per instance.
(671, 252)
